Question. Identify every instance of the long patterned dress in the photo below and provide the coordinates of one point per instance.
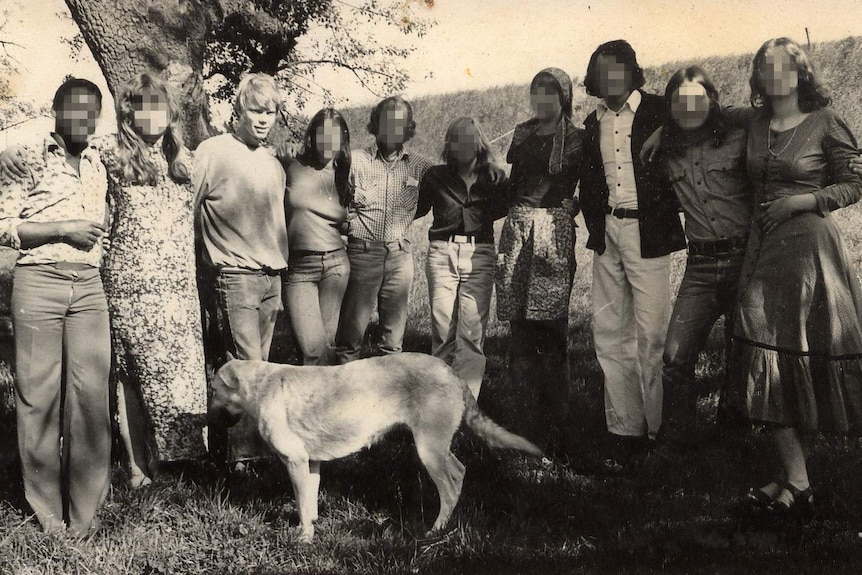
(796, 355)
(153, 301)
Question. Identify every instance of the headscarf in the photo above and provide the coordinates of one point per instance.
(567, 140)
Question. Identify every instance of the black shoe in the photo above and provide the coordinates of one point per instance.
(801, 506)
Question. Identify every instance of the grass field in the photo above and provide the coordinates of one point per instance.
(516, 515)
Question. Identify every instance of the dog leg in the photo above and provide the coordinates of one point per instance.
(447, 473)
(305, 498)
(314, 470)
(292, 452)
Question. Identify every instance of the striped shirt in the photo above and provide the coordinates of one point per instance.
(53, 191)
(385, 193)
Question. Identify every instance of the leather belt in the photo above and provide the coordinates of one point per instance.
(250, 272)
(621, 213)
(720, 247)
(366, 244)
(300, 253)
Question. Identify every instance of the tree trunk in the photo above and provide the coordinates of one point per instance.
(168, 37)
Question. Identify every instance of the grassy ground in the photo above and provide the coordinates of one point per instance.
(515, 515)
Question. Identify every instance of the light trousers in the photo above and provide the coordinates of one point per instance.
(460, 284)
(62, 364)
(631, 309)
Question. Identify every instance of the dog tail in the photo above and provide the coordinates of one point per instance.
(494, 434)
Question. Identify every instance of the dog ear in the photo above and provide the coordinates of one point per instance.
(227, 373)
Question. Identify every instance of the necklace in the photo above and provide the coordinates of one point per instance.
(328, 183)
(769, 140)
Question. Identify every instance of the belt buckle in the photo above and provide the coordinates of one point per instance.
(460, 239)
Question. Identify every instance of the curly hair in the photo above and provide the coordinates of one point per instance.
(812, 95)
(136, 166)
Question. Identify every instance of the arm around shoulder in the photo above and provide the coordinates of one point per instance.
(839, 147)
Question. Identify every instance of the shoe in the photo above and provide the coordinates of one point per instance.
(755, 502)
(755, 498)
(801, 505)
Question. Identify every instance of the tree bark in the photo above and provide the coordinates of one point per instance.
(168, 37)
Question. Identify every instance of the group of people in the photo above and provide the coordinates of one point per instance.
(124, 240)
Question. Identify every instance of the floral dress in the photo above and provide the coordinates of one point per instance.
(155, 313)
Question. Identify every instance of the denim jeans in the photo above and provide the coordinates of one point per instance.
(460, 283)
(248, 305)
(708, 291)
(381, 274)
(313, 291)
(62, 363)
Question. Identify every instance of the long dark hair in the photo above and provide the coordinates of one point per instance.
(625, 54)
(341, 162)
(716, 125)
(812, 95)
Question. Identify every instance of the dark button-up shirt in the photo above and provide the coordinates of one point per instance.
(458, 210)
(713, 188)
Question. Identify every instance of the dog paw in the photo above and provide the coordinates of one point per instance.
(306, 535)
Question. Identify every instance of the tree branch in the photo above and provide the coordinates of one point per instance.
(337, 64)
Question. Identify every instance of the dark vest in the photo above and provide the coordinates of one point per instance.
(660, 229)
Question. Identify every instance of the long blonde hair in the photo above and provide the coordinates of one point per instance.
(136, 166)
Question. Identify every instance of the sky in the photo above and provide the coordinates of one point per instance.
(480, 43)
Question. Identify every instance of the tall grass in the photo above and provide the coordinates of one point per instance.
(515, 515)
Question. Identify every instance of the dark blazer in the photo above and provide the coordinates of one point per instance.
(660, 229)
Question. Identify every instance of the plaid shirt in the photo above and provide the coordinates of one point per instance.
(53, 191)
(385, 193)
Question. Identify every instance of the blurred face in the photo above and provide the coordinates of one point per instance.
(689, 105)
(545, 101)
(392, 129)
(77, 115)
(778, 73)
(328, 139)
(615, 79)
(256, 120)
(464, 146)
(151, 117)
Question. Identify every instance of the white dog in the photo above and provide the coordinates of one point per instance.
(312, 414)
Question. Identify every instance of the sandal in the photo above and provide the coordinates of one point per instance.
(802, 504)
(755, 499)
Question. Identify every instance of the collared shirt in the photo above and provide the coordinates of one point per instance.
(53, 191)
(713, 188)
(458, 210)
(385, 193)
(615, 141)
(239, 194)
